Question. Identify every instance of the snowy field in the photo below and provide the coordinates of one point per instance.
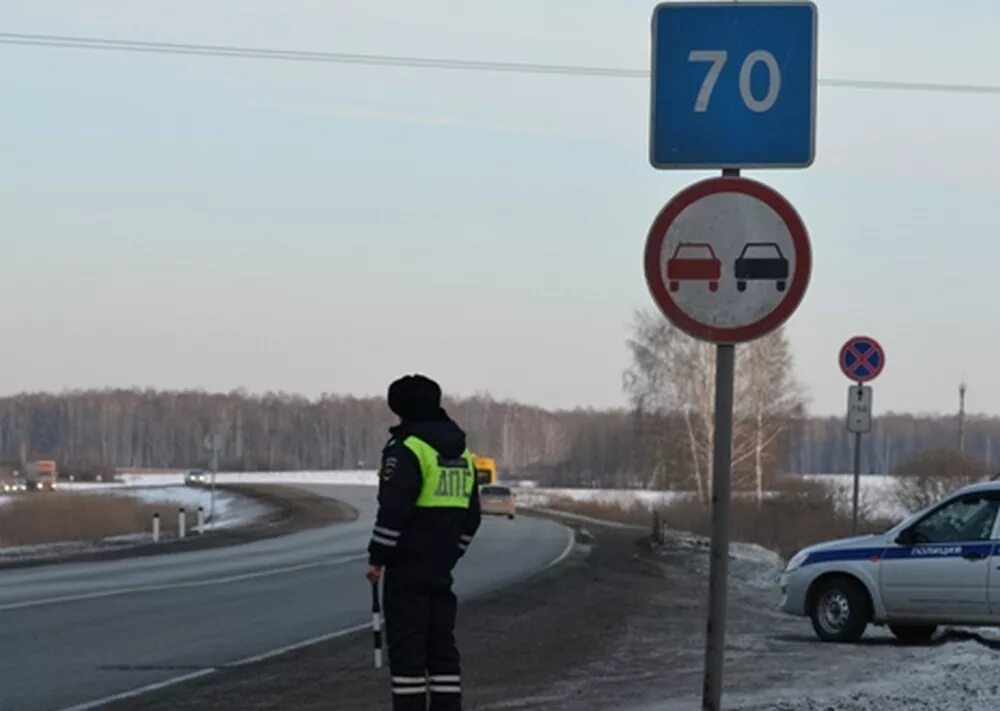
(876, 495)
(352, 477)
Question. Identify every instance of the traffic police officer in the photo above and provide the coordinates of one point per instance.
(428, 513)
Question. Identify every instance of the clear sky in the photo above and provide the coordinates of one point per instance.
(197, 222)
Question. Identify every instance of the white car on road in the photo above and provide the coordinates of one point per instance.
(940, 566)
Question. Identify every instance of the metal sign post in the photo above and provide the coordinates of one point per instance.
(718, 571)
(722, 476)
(859, 421)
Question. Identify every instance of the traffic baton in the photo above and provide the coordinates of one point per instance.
(377, 625)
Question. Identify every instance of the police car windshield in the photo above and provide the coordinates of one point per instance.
(967, 519)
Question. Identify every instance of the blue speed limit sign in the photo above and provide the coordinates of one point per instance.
(733, 85)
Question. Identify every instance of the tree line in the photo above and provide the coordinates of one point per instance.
(99, 431)
(662, 440)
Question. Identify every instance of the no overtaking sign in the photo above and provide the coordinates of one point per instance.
(728, 260)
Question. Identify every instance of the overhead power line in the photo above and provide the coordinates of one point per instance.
(383, 60)
(307, 56)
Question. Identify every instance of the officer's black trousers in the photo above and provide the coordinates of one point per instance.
(420, 630)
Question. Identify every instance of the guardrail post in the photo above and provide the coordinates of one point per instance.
(156, 528)
(181, 523)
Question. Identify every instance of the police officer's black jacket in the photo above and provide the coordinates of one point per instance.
(423, 540)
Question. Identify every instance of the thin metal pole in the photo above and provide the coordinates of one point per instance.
(857, 481)
(215, 467)
(961, 418)
(722, 461)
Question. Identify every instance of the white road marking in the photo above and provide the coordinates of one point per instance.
(566, 551)
(178, 586)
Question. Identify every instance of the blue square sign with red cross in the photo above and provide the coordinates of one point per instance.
(862, 359)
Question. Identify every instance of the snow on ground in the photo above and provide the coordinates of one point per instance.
(952, 675)
(876, 493)
(539, 497)
(359, 477)
(231, 509)
(749, 563)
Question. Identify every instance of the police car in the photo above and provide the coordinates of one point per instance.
(940, 566)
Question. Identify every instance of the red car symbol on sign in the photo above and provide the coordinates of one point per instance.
(694, 261)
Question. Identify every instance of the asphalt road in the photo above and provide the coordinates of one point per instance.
(75, 633)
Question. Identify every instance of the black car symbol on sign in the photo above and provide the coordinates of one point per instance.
(761, 261)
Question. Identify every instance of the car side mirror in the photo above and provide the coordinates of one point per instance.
(906, 537)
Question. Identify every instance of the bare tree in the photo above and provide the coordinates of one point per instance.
(768, 400)
(673, 374)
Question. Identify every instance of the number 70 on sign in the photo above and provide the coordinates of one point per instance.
(733, 85)
(718, 58)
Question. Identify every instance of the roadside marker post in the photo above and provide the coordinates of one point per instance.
(181, 523)
(728, 260)
(201, 520)
(861, 359)
(156, 528)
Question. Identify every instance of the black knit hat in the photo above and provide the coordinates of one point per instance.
(415, 398)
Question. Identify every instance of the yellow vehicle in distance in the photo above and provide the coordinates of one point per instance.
(486, 470)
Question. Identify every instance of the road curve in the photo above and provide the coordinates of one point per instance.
(75, 633)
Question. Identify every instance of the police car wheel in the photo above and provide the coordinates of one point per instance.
(913, 634)
(840, 611)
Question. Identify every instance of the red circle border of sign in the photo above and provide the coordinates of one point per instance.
(881, 361)
(798, 282)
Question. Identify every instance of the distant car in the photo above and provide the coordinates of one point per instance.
(497, 500)
(195, 477)
(761, 261)
(694, 261)
(13, 487)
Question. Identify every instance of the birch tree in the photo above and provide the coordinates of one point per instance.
(673, 374)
